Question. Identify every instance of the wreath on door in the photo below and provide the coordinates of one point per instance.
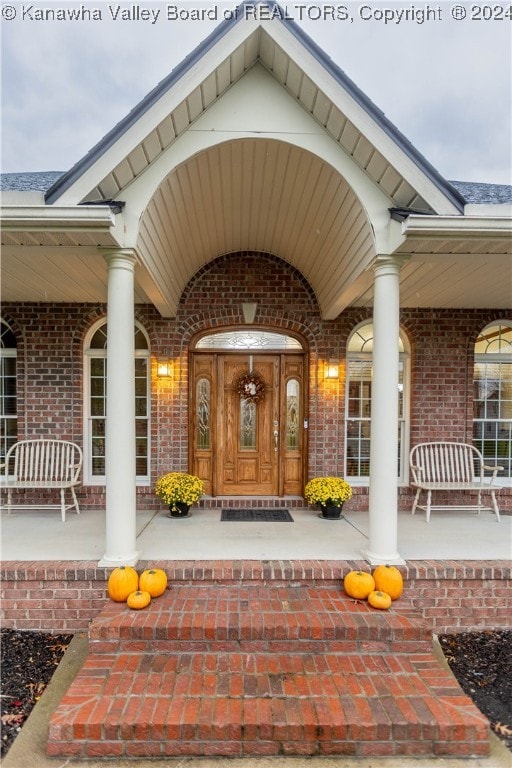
(251, 387)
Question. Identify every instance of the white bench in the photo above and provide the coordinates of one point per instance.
(452, 468)
(43, 464)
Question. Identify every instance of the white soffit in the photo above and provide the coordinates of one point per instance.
(53, 253)
(256, 195)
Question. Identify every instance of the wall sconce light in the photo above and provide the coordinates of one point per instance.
(164, 368)
(332, 369)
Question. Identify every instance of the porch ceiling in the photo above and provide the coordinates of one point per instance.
(256, 195)
(310, 217)
(269, 196)
(50, 254)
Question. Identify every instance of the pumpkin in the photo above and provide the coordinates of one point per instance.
(358, 584)
(153, 581)
(138, 600)
(389, 579)
(378, 599)
(122, 582)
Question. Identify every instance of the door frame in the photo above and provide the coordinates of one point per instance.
(212, 484)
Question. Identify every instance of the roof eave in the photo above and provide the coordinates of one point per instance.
(447, 227)
(56, 218)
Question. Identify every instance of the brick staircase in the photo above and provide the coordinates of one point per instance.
(263, 666)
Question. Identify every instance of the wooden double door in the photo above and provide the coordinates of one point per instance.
(244, 446)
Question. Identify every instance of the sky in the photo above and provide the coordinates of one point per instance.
(446, 83)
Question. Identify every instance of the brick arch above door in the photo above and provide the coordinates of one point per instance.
(214, 298)
(248, 276)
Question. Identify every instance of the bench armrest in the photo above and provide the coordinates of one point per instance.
(417, 472)
(494, 471)
(76, 469)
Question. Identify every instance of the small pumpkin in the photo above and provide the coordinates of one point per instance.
(154, 581)
(378, 599)
(122, 581)
(389, 579)
(138, 599)
(358, 584)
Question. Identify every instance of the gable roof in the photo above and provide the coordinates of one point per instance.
(261, 43)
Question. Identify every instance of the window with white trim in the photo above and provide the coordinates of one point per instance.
(8, 389)
(358, 406)
(492, 396)
(95, 405)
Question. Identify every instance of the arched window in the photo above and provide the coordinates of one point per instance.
(8, 393)
(359, 405)
(492, 396)
(95, 405)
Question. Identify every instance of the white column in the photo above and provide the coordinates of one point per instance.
(383, 514)
(120, 544)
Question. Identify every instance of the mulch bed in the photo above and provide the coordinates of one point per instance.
(481, 662)
(29, 660)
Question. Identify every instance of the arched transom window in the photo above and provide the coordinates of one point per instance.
(249, 339)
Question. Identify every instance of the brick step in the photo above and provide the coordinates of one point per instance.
(263, 667)
(258, 617)
(257, 502)
(204, 704)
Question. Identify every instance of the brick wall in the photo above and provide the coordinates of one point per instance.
(450, 596)
(50, 352)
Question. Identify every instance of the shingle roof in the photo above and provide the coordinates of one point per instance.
(38, 181)
(474, 192)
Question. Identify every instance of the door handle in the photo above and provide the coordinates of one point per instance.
(276, 439)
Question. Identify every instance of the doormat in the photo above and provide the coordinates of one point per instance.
(256, 516)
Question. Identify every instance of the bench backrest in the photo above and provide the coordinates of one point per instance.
(443, 462)
(44, 461)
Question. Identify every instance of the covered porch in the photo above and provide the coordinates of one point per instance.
(203, 169)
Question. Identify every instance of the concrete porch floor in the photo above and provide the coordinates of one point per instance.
(39, 534)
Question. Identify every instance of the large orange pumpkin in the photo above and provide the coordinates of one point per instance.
(138, 600)
(122, 582)
(389, 579)
(358, 584)
(154, 581)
